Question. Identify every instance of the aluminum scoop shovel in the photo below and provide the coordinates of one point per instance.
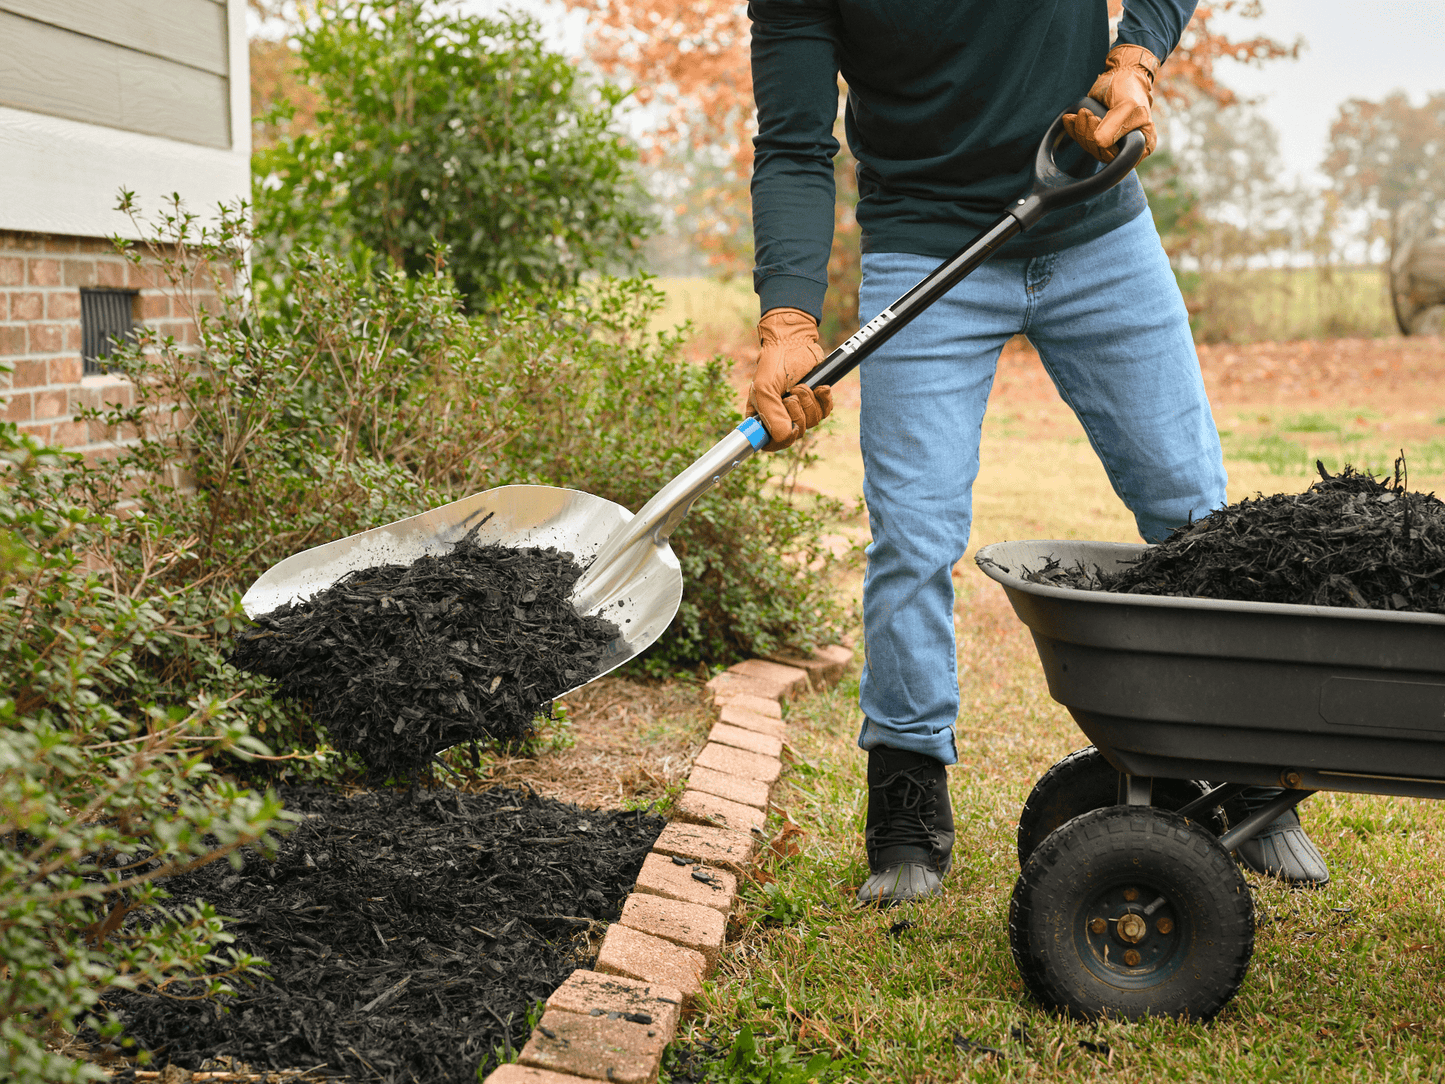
(632, 577)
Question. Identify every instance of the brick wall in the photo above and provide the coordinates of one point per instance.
(41, 276)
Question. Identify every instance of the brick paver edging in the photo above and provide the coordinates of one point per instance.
(614, 1022)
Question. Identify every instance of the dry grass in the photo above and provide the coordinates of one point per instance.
(712, 306)
(1290, 303)
(616, 743)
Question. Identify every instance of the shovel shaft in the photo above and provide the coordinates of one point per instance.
(877, 331)
(1052, 190)
(631, 546)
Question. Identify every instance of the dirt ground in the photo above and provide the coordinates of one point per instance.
(619, 744)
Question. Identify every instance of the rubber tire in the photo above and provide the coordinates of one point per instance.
(1090, 860)
(1084, 780)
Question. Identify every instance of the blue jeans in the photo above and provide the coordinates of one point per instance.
(1109, 323)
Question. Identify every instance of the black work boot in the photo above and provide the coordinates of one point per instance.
(1281, 849)
(909, 837)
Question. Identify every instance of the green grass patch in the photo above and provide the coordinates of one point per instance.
(1290, 444)
(1344, 983)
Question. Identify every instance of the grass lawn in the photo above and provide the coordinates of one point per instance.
(1290, 303)
(1345, 983)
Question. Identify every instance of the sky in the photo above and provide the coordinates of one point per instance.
(1353, 49)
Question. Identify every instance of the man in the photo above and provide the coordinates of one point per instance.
(947, 100)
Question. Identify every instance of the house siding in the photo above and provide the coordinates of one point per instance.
(96, 97)
(156, 69)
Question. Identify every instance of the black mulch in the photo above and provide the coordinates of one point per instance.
(1349, 540)
(408, 934)
(399, 662)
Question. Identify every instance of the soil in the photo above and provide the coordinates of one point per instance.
(408, 933)
(399, 662)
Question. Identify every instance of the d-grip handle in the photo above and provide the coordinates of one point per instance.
(1054, 189)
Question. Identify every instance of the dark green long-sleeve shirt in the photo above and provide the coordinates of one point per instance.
(947, 101)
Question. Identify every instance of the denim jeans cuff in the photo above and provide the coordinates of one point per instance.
(938, 745)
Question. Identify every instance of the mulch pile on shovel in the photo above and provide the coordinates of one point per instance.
(399, 662)
(408, 934)
(1349, 540)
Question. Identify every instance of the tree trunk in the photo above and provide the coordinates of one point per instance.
(1417, 271)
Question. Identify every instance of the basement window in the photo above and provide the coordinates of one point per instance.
(107, 317)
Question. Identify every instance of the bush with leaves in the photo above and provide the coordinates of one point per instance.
(443, 128)
(614, 411)
(375, 397)
(105, 785)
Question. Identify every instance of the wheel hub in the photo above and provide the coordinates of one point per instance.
(1132, 928)
(1131, 936)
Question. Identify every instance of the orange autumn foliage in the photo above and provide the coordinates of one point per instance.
(276, 73)
(1190, 73)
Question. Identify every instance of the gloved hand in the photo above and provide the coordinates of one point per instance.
(1125, 89)
(790, 350)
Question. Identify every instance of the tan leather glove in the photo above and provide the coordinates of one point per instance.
(1125, 88)
(790, 350)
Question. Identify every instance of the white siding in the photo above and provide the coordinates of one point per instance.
(102, 113)
(48, 68)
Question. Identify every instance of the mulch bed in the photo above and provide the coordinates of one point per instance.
(399, 662)
(1349, 540)
(408, 933)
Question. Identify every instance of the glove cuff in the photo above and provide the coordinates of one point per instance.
(777, 317)
(1133, 56)
(786, 325)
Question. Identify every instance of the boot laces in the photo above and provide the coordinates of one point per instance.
(910, 805)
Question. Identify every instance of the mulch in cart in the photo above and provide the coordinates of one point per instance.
(1349, 540)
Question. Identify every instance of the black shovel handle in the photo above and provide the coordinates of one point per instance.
(1052, 189)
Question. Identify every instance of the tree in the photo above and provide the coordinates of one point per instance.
(1225, 175)
(1387, 161)
(1173, 203)
(1189, 72)
(689, 63)
(440, 128)
(1383, 155)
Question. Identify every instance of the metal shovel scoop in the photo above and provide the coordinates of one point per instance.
(632, 577)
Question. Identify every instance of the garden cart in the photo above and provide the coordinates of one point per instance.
(1129, 903)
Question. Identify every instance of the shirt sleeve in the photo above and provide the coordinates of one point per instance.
(795, 88)
(1157, 25)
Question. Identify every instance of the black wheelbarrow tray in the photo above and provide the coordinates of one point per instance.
(1128, 903)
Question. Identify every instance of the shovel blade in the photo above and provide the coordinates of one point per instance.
(516, 516)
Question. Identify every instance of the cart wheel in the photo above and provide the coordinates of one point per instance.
(1085, 780)
(1129, 912)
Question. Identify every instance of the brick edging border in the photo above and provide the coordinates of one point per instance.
(613, 1023)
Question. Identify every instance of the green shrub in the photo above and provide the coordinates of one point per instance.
(614, 411)
(104, 779)
(439, 127)
(375, 397)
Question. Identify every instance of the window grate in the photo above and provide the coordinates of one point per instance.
(105, 317)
